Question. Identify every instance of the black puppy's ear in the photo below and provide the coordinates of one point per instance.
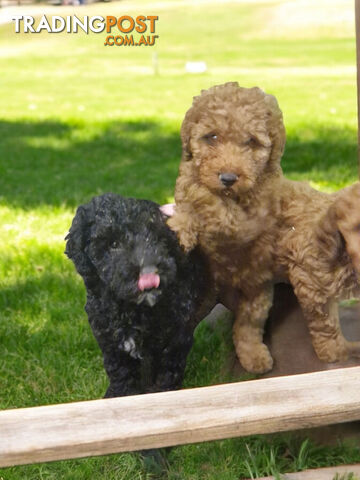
(77, 240)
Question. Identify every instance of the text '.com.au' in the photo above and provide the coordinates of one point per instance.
(121, 31)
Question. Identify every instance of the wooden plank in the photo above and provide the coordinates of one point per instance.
(321, 473)
(357, 25)
(171, 418)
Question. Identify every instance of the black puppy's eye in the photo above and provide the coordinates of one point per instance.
(210, 138)
(252, 142)
(115, 244)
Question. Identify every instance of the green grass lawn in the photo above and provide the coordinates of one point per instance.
(78, 119)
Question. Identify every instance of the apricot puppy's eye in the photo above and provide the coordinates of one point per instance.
(210, 138)
(252, 142)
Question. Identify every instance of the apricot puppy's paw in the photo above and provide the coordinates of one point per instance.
(187, 238)
(354, 349)
(255, 358)
(332, 350)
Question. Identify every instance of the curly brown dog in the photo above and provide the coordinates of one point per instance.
(257, 228)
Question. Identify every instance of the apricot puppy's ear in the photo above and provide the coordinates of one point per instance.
(77, 240)
(186, 150)
(276, 129)
(186, 128)
(348, 221)
(185, 142)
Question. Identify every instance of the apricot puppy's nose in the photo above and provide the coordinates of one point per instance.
(228, 179)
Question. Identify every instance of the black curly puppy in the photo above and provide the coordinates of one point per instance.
(143, 292)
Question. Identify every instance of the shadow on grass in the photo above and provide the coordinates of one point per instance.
(66, 164)
(325, 155)
(53, 163)
(48, 353)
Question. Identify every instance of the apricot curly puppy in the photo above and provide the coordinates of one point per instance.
(258, 228)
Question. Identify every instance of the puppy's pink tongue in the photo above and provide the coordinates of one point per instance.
(148, 280)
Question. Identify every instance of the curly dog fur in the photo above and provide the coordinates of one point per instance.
(143, 291)
(257, 228)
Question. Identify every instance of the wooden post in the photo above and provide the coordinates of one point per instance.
(330, 473)
(101, 427)
(357, 27)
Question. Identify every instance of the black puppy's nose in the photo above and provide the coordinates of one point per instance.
(228, 179)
